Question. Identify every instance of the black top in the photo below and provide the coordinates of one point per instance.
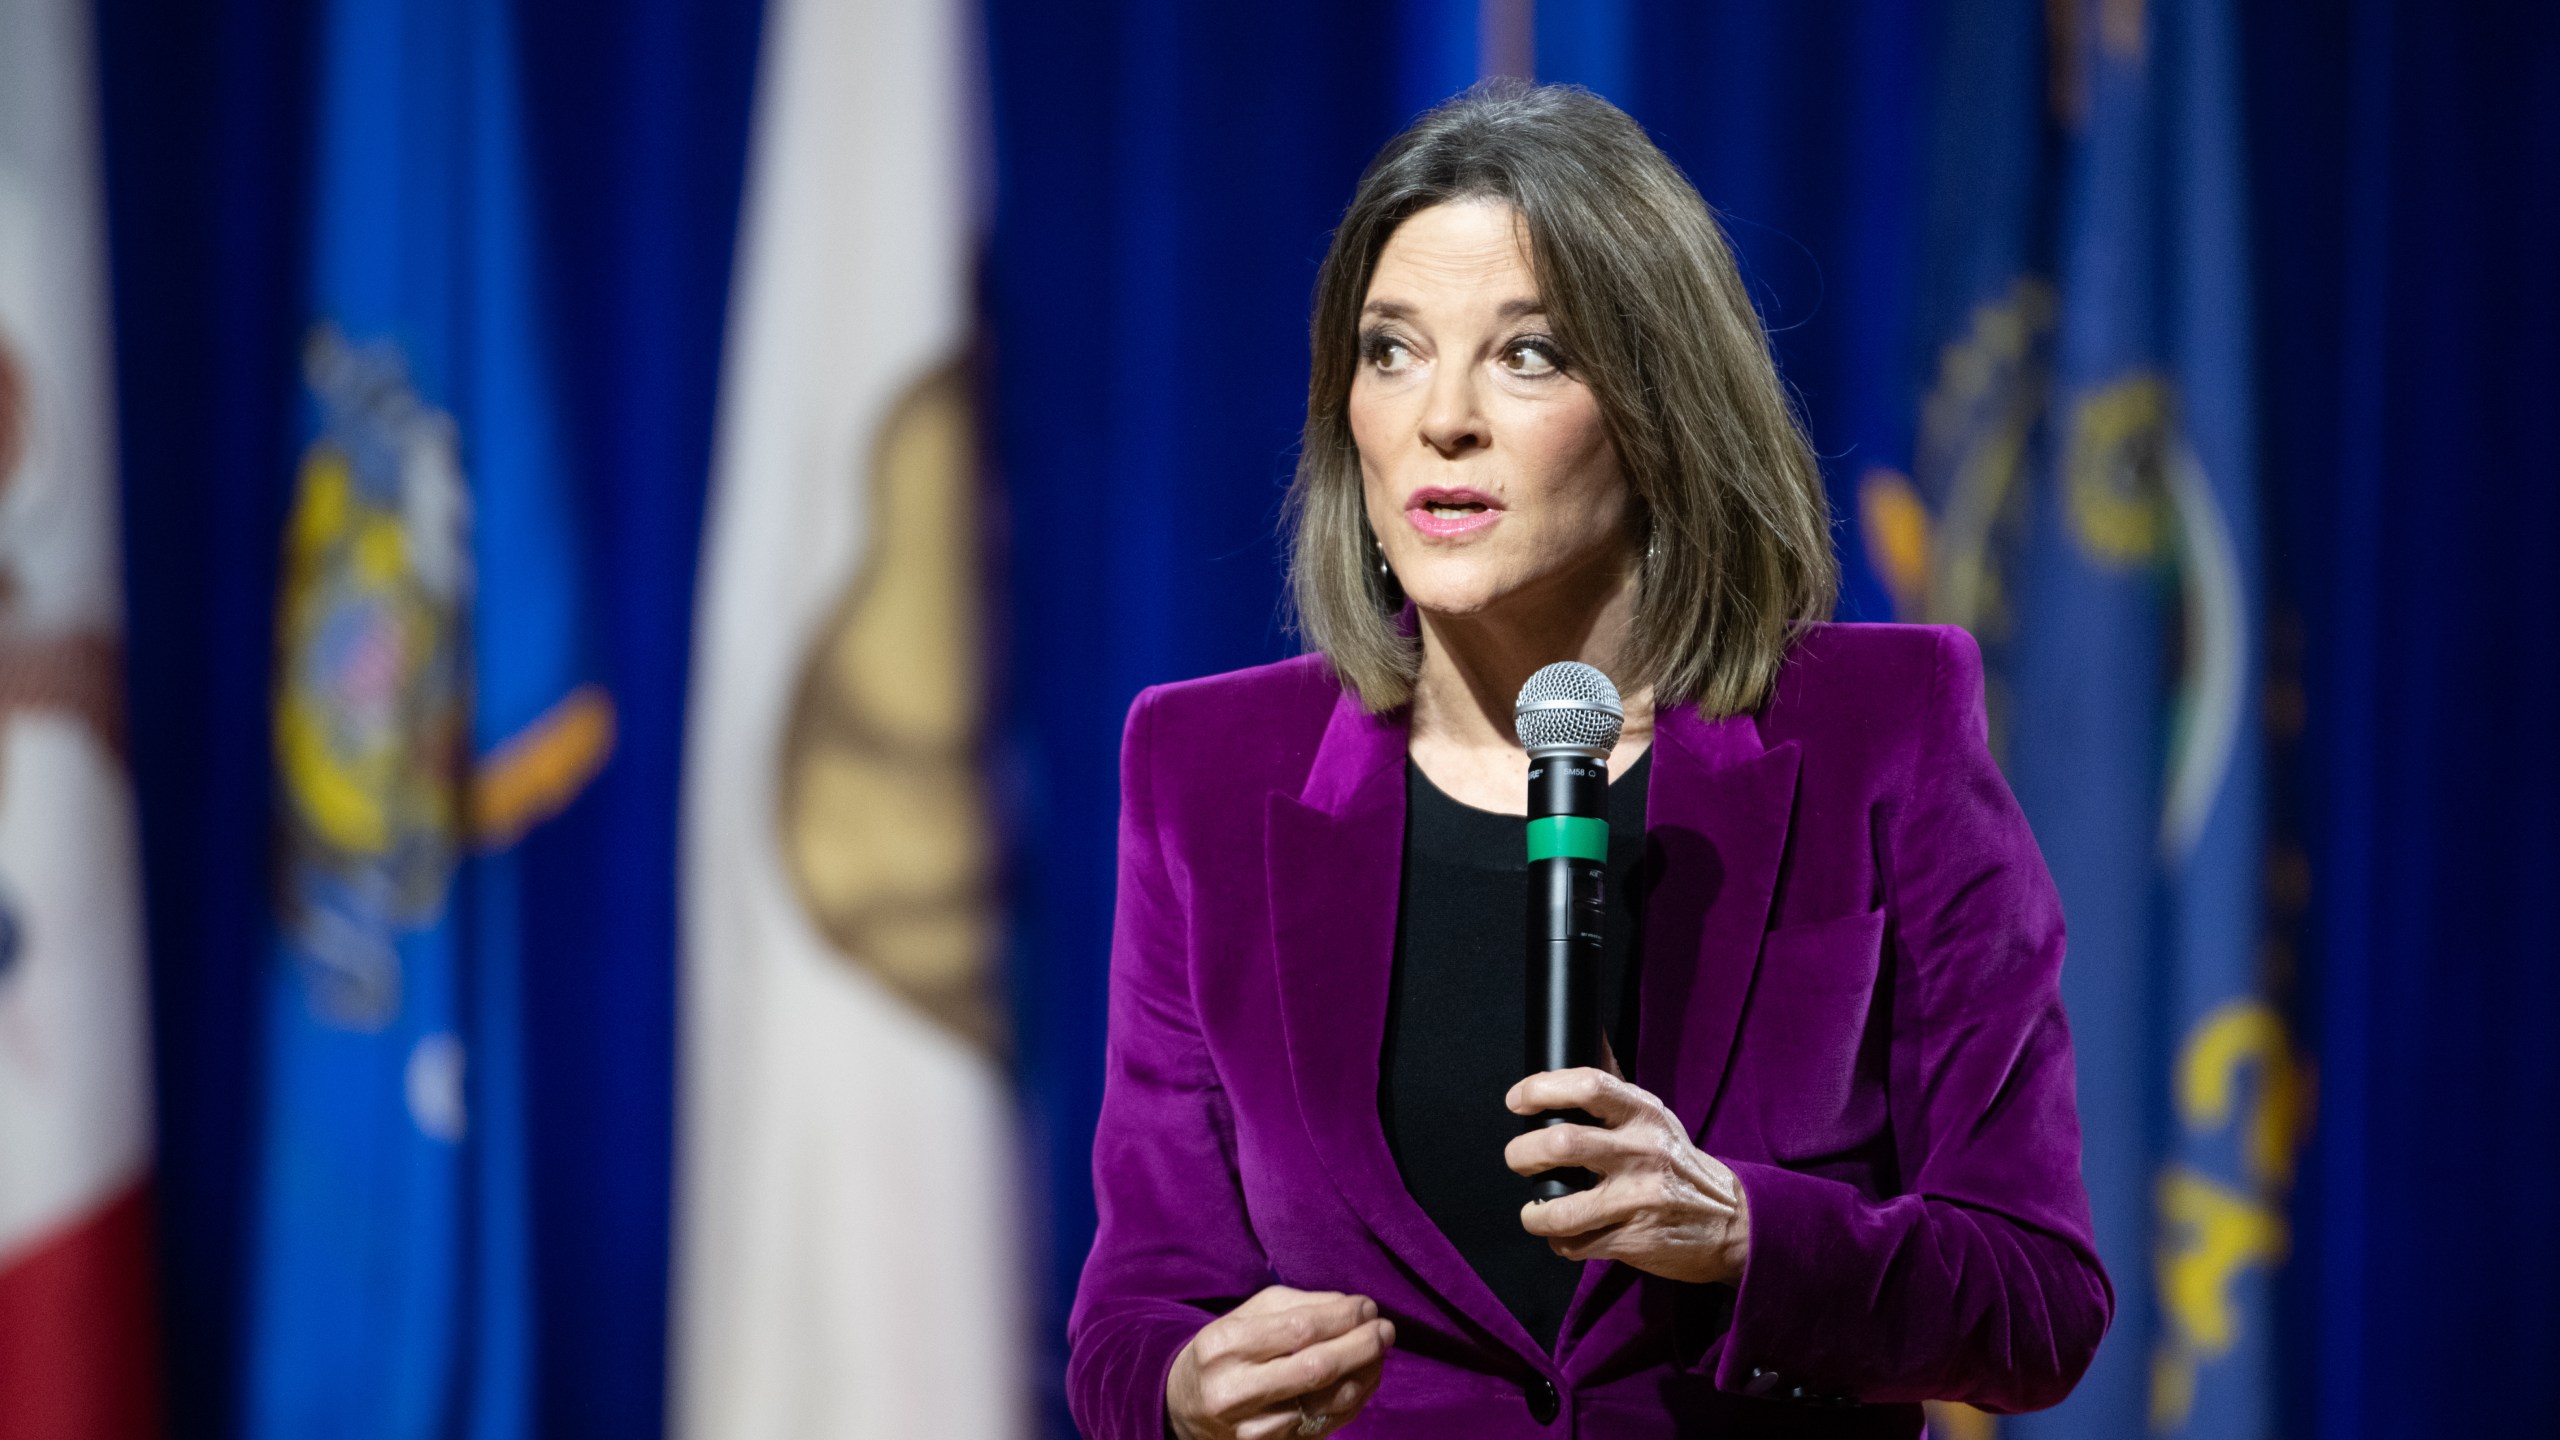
(1457, 1014)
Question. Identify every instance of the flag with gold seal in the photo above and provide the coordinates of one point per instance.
(2082, 495)
(432, 704)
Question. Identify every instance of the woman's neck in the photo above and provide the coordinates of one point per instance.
(1474, 665)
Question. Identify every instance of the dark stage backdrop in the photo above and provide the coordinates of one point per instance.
(637, 114)
(2408, 180)
(205, 110)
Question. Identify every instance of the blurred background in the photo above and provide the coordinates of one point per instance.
(570, 574)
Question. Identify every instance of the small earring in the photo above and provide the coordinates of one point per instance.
(1652, 549)
(1383, 572)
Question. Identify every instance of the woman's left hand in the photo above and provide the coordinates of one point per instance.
(1662, 1205)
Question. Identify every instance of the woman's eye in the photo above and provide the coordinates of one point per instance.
(1389, 357)
(1530, 357)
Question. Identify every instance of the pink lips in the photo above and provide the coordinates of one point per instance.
(1418, 511)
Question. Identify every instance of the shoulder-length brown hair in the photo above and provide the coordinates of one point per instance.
(1642, 290)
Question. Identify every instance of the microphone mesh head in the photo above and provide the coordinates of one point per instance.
(1568, 705)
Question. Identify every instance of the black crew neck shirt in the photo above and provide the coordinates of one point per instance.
(1457, 1016)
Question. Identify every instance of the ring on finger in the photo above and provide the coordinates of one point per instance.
(1312, 1421)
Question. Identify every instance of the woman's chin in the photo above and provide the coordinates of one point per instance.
(1456, 601)
(1470, 592)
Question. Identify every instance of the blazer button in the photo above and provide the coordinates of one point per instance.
(1544, 1403)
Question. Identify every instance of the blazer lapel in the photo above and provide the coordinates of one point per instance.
(1716, 819)
(1334, 860)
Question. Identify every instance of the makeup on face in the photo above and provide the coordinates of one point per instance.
(1446, 512)
(1487, 467)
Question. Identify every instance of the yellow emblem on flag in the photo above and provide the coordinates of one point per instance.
(368, 717)
(2114, 472)
(2212, 1228)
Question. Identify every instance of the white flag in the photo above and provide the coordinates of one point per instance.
(76, 1357)
(848, 1252)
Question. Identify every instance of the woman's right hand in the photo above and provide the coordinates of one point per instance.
(1284, 1363)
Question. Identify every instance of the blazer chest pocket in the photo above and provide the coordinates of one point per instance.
(1806, 1047)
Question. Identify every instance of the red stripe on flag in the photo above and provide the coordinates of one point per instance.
(79, 1352)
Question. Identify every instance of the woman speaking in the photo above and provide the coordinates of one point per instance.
(1833, 1132)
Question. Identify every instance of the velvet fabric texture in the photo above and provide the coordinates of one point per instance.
(1848, 995)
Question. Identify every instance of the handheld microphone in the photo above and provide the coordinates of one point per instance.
(1568, 718)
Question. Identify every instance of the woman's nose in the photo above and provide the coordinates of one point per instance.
(1452, 421)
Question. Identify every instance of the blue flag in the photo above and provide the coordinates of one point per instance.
(2082, 496)
(430, 707)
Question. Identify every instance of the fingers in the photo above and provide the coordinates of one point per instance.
(1246, 1373)
(1352, 1393)
(1598, 1208)
(1279, 1321)
(1239, 1391)
(1269, 1425)
(1604, 1096)
(1338, 1406)
(1609, 1242)
(1346, 1400)
(1588, 1146)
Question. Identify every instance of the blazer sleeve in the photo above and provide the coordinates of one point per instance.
(1173, 1249)
(1979, 1282)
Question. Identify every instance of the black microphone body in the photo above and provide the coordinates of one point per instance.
(1568, 894)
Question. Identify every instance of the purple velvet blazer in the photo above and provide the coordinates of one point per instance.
(1848, 995)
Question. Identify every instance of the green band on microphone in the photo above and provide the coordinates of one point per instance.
(1575, 837)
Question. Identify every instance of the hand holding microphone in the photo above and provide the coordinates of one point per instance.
(1661, 1205)
(1617, 1175)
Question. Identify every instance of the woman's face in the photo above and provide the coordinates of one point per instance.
(1487, 473)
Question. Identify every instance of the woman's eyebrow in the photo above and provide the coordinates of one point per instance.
(1508, 310)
